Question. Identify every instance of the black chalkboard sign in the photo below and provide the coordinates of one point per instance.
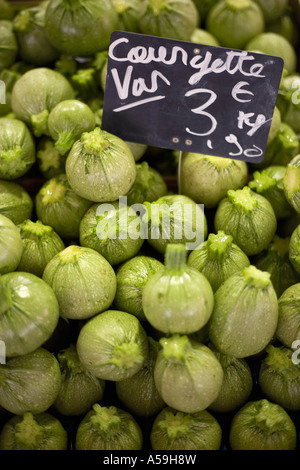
(179, 95)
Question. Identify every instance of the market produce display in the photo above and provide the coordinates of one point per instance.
(147, 301)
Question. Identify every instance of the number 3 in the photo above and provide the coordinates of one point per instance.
(200, 110)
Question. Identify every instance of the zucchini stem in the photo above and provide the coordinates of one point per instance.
(242, 199)
(64, 142)
(40, 123)
(176, 256)
(176, 424)
(218, 245)
(175, 347)
(105, 417)
(256, 278)
(126, 355)
(267, 417)
(29, 432)
(94, 142)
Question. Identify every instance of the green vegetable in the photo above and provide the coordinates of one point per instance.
(149, 185)
(288, 328)
(174, 218)
(175, 430)
(272, 9)
(10, 244)
(17, 149)
(237, 384)
(274, 44)
(29, 312)
(96, 105)
(130, 12)
(275, 125)
(288, 101)
(262, 425)
(178, 298)
(286, 26)
(15, 202)
(294, 250)
(103, 74)
(113, 345)
(29, 382)
(80, 28)
(187, 374)
(66, 65)
(34, 46)
(67, 121)
(245, 315)
(138, 150)
(279, 378)
(206, 179)
(290, 224)
(100, 59)
(203, 7)
(83, 281)
(7, 11)
(282, 149)
(218, 258)
(114, 230)
(21, 67)
(269, 183)
(98, 117)
(79, 389)
(108, 428)
(291, 183)
(132, 277)
(36, 93)
(85, 84)
(201, 36)
(49, 161)
(175, 19)
(248, 217)
(60, 207)
(235, 22)
(100, 166)
(100, 67)
(9, 77)
(138, 393)
(40, 244)
(275, 260)
(30, 431)
(8, 44)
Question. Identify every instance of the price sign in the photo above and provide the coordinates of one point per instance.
(190, 97)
